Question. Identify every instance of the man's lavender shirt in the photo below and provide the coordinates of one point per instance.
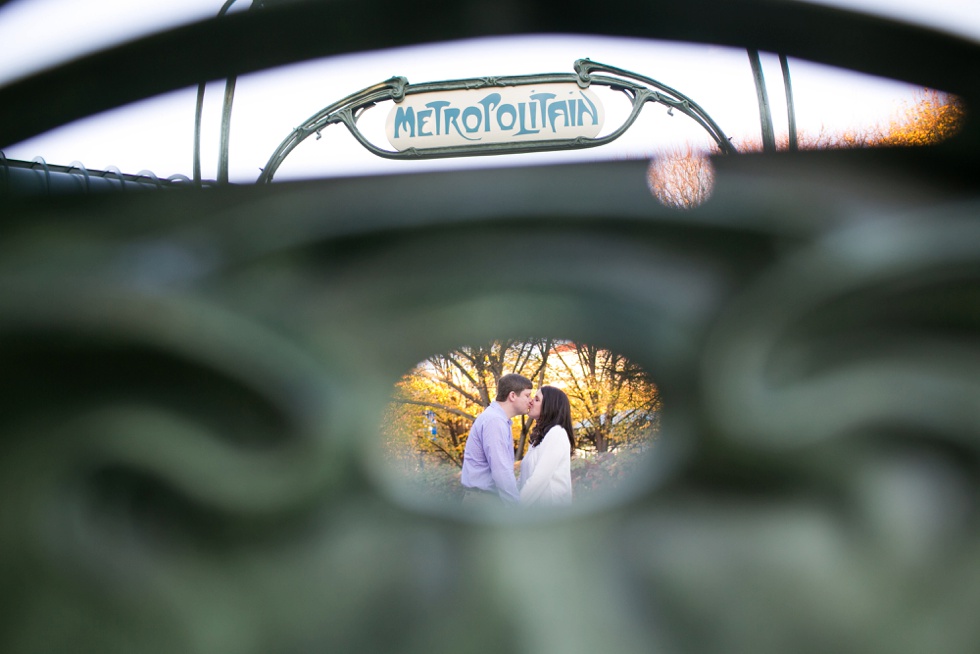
(488, 460)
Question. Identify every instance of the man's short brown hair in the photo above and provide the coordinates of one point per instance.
(511, 383)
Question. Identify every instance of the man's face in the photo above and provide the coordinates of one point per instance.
(522, 402)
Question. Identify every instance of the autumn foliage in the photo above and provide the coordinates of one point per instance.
(615, 410)
(933, 118)
(684, 177)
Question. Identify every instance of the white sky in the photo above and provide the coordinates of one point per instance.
(157, 134)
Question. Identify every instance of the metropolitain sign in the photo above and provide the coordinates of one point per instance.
(541, 112)
(496, 115)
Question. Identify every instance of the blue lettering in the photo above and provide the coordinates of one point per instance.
(491, 114)
(509, 110)
(524, 129)
(424, 116)
(452, 122)
(471, 112)
(405, 118)
(436, 105)
(556, 109)
(542, 99)
(591, 111)
(488, 103)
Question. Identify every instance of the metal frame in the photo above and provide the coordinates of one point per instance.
(638, 88)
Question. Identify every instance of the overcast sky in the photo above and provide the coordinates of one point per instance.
(157, 135)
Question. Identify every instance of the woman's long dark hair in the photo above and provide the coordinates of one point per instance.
(555, 410)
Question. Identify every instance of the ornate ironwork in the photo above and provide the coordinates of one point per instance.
(192, 380)
(639, 89)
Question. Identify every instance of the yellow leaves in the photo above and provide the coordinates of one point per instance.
(930, 118)
(433, 405)
(933, 118)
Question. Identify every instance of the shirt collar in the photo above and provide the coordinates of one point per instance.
(500, 409)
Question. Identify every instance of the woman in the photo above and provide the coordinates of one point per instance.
(546, 474)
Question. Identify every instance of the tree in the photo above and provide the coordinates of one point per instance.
(933, 117)
(615, 409)
(614, 402)
(435, 404)
(682, 179)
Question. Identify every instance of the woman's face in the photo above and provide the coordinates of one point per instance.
(535, 412)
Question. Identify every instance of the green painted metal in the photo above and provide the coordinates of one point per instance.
(765, 114)
(194, 380)
(225, 119)
(790, 106)
(639, 89)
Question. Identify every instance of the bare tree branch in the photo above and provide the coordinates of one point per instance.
(441, 407)
(459, 389)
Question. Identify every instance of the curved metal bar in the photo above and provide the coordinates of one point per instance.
(198, 113)
(199, 109)
(348, 110)
(790, 107)
(765, 113)
(4, 174)
(225, 143)
(675, 98)
(391, 89)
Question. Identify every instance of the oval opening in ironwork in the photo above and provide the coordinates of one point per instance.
(615, 410)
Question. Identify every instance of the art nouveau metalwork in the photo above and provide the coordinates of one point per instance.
(192, 378)
(639, 89)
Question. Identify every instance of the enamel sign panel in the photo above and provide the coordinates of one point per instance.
(509, 114)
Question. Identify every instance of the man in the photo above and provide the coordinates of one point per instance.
(488, 460)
